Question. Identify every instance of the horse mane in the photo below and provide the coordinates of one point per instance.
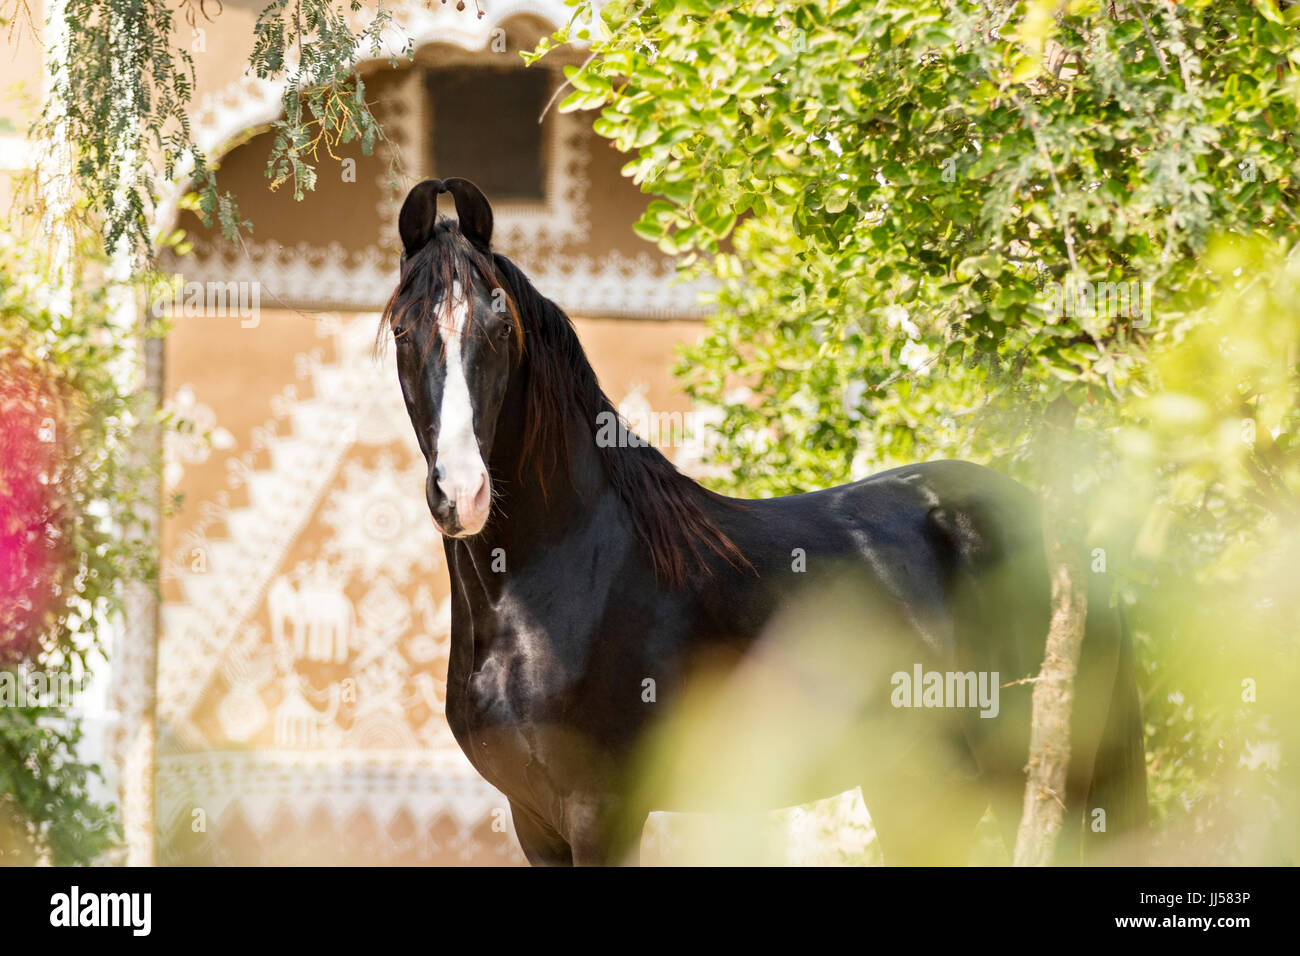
(665, 506)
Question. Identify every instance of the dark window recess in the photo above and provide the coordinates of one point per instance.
(485, 128)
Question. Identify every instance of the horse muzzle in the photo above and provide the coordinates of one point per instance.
(460, 505)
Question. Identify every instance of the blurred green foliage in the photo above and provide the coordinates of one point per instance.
(74, 531)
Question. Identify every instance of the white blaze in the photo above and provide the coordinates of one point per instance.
(461, 467)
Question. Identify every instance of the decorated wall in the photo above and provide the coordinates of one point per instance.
(305, 621)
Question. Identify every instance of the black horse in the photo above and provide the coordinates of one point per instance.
(585, 569)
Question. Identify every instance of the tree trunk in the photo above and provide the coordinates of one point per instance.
(1053, 698)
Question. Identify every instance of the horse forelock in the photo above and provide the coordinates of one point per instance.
(424, 294)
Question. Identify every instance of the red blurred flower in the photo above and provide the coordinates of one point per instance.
(32, 440)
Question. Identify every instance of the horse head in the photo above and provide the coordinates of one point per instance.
(458, 340)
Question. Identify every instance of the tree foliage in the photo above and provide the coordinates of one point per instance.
(884, 191)
(121, 85)
(69, 493)
(919, 220)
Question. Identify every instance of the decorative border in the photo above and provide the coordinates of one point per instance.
(331, 277)
(261, 786)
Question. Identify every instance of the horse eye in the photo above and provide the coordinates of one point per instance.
(398, 331)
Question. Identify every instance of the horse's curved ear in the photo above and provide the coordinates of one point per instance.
(472, 210)
(419, 214)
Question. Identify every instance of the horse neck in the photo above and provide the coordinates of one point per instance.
(533, 508)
